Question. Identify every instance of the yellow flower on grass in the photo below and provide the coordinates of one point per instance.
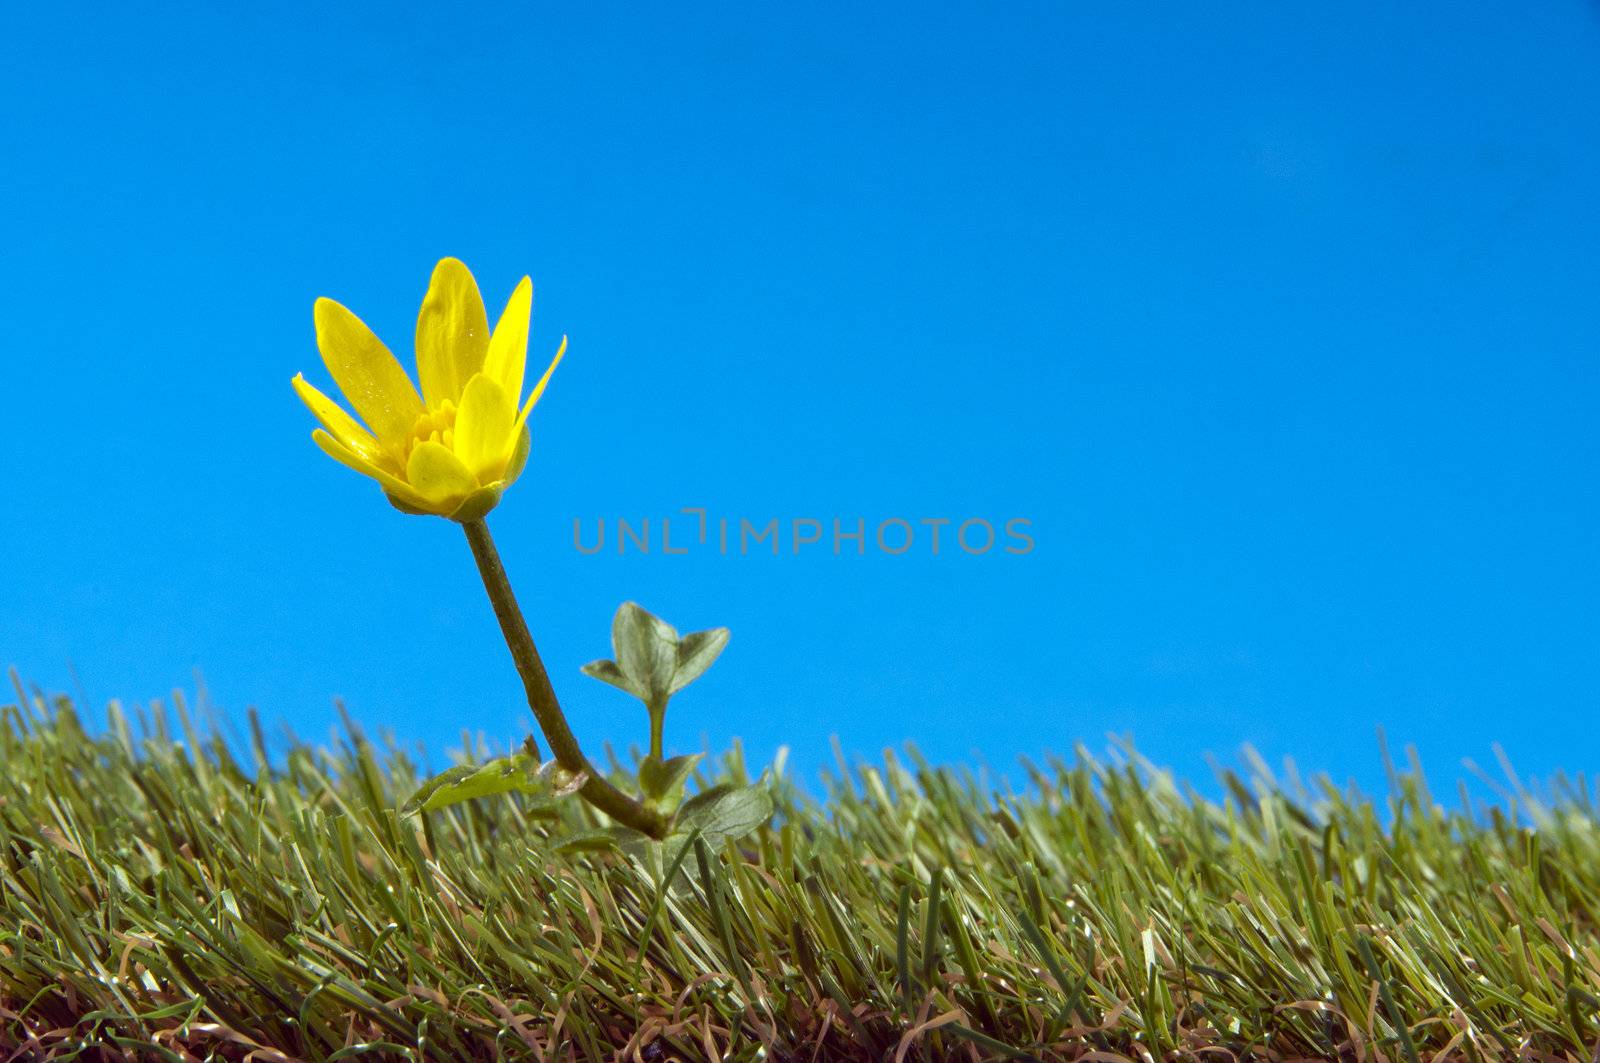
(452, 450)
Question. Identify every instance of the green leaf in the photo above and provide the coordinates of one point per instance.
(514, 774)
(658, 778)
(608, 672)
(602, 840)
(724, 812)
(697, 651)
(647, 650)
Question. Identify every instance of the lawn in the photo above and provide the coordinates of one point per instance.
(167, 894)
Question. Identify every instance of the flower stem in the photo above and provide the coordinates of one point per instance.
(542, 697)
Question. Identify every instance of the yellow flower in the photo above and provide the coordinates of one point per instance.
(452, 450)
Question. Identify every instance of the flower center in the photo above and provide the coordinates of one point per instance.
(438, 426)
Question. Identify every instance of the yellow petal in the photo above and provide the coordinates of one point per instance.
(519, 457)
(538, 389)
(396, 487)
(438, 476)
(483, 435)
(367, 373)
(508, 346)
(452, 333)
(339, 424)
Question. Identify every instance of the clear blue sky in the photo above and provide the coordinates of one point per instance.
(1279, 322)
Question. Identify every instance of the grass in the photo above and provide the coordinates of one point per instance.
(161, 897)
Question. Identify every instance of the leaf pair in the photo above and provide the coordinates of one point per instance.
(661, 780)
(652, 661)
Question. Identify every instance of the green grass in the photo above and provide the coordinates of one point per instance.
(163, 899)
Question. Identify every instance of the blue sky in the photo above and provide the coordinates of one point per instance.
(1277, 322)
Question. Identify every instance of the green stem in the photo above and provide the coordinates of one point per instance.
(542, 697)
(658, 720)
